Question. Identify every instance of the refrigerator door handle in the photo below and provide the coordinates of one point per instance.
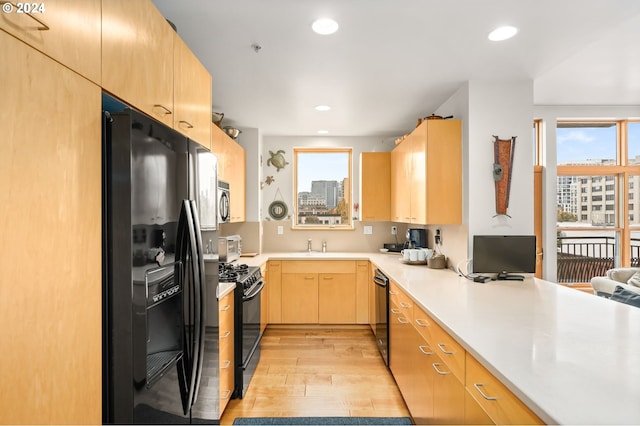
(188, 250)
(199, 281)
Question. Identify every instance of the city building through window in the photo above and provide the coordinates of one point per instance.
(322, 187)
(598, 169)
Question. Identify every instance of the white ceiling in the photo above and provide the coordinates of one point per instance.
(393, 61)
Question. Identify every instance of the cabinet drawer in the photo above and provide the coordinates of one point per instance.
(226, 385)
(449, 351)
(401, 300)
(495, 399)
(424, 324)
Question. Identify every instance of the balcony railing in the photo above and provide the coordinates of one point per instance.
(582, 258)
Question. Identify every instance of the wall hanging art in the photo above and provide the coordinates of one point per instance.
(502, 171)
(278, 209)
(277, 160)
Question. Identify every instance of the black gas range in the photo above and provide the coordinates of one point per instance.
(247, 301)
(246, 277)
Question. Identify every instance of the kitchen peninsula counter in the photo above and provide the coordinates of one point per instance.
(571, 357)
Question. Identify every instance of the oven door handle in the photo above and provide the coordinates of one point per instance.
(255, 293)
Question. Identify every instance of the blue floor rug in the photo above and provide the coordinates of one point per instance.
(322, 421)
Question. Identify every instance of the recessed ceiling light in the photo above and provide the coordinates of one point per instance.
(323, 132)
(502, 33)
(322, 107)
(324, 26)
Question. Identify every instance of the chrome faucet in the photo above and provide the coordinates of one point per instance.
(324, 246)
(309, 245)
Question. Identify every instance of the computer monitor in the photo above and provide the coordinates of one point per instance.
(504, 255)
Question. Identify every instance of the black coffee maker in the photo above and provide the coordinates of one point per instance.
(416, 238)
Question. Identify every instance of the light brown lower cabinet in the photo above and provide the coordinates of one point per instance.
(439, 381)
(337, 298)
(226, 349)
(498, 402)
(318, 292)
(433, 394)
(300, 298)
(274, 291)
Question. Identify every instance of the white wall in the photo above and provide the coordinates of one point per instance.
(504, 109)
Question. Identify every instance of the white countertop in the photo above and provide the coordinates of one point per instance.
(571, 357)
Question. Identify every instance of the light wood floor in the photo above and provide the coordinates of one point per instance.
(319, 371)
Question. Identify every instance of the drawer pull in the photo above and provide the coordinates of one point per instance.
(327, 278)
(404, 305)
(225, 335)
(402, 320)
(166, 110)
(422, 323)
(185, 124)
(426, 352)
(226, 308)
(442, 373)
(441, 346)
(392, 293)
(227, 394)
(227, 364)
(308, 278)
(42, 27)
(395, 311)
(478, 387)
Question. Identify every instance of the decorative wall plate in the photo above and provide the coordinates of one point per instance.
(278, 210)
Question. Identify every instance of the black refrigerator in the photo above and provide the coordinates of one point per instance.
(160, 336)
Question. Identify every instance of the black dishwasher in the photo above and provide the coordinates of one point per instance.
(382, 313)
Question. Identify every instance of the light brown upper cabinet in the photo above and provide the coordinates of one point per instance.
(65, 30)
(191, 95)
(232, 169)
(137, 57)
(426, 174)
(375, 186)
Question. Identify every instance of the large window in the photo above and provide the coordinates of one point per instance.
(598, 175)
(322, 187)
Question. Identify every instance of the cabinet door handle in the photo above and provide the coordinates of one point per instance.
(226, 308)
(402, 320)
(226, 335)
(422, 349)
(226, 365)
(392, 293)
(227, 394)
(327, 278)
(42, 27)
(422, 323)
(478, 387)
(185, 124)
(442, 373)
(404, 305)
(308, 278)
(441, 346)
(395, 311)
(166, 110)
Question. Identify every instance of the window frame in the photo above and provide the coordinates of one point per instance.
(348, 193)
(621, 171)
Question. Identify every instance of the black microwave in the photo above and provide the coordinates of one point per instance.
(224, 211)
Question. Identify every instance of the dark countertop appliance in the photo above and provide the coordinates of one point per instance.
(416, 238)
(247, 296)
